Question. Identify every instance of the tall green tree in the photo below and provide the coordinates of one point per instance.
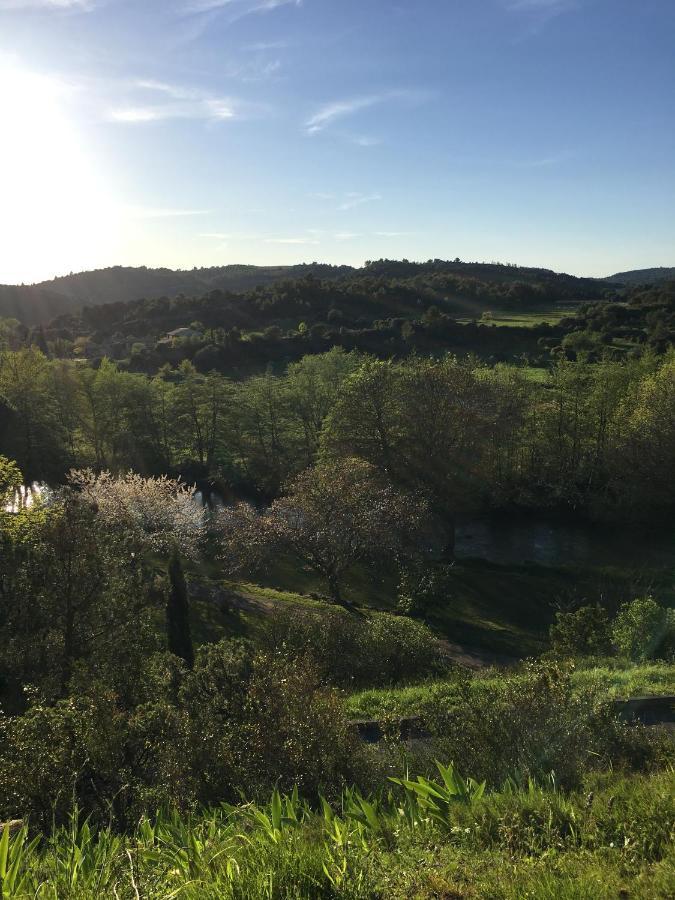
(425, 424)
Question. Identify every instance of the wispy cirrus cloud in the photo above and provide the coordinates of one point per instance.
(262, 46)
(347, 201)
(365, 140)
(54, 5)
(158, 212)
(176, 102)
(204, 12)
(199, 15)
(244, 7)
(538, 5)
(337, 110)
(309, 238)
(546, 162)
(540, 12)
(354, 199)
(292, 240)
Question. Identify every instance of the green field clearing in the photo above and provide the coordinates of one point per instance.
(511, 319)
(614, 679)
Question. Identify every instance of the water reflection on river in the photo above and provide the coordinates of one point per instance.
(26, 496)
(537, 540)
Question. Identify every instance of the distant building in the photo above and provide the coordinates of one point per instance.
(181, 334)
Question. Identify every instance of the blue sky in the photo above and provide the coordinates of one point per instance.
(205, 132)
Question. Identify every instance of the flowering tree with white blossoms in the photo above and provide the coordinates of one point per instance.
(159, 513)
(159, 516)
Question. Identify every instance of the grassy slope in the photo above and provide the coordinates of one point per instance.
(500, 610)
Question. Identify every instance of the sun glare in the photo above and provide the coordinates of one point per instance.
(55, 214)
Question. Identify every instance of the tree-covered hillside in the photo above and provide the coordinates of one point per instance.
(642, 276)
(37, 303)
(33, 304)
(387, 308)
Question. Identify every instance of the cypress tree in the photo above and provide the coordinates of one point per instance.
(178, 613)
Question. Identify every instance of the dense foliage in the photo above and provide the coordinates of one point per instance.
(140, 478)
(597, 438)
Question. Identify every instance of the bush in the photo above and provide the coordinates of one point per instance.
(536, 723)
(399, 650)
(295, 731)
(421, 588)
(584, 632)
(349, 650)
(237, 722)
(644, 630)
(87, 753)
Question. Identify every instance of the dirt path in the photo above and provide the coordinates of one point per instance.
(475, 658)
(228, 599)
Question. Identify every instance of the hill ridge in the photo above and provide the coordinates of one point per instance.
(42, 302)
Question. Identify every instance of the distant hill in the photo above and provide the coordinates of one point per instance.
(642, 276)
(41, 303)
(32, 304)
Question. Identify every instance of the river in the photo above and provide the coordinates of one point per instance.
(535, 539)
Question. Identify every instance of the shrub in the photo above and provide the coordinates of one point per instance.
(399, 649)
(347, 649)
(535, 724)
(644, 630)
(422, 588)
(236, 722)
(214, 697)
(295, 731)
(584, 632)
(88, 753)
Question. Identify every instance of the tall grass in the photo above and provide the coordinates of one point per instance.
(417, 837)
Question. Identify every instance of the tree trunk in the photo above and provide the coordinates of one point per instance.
(334, 590)
(68, 649)
(448, 553)
(178, 613)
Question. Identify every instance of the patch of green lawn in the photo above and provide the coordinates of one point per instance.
(508, 318)
(613, 679)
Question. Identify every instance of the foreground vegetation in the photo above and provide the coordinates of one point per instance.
(419, 837)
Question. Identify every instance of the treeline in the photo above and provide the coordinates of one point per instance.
(38, 304)
(57, 414)
(357, 300)
(597, 438)
(433, 312)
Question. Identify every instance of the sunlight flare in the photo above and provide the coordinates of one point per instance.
(57, 214)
